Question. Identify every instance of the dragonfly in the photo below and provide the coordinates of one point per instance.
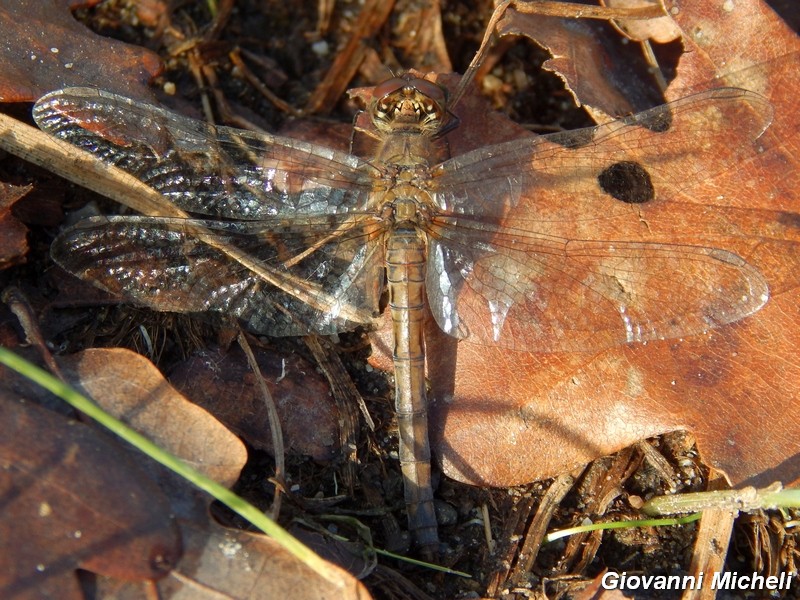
(542, 244)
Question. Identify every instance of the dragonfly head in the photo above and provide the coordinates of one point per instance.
(409, 103)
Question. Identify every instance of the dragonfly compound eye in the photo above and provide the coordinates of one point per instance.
(409, 104)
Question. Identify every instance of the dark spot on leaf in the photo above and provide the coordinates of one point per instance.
(789, 219)
(627, 181)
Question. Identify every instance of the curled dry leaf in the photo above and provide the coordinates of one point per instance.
(661, 30)
(51, 50)
(599, 71)
(74, 499)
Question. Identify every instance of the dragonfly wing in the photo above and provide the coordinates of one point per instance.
(547, 294)
(260, 272)
(566, 179)
(217, 171)
(545, 245)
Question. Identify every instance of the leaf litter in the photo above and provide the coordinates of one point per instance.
(684, 358)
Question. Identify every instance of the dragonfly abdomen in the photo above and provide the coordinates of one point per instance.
(405, 269)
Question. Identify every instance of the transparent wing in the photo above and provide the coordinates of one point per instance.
(557, 180)
(311, 275)
(547, 294)
(553, 243)
(217, 171)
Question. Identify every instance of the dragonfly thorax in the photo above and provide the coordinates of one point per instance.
(405, 209)
(406, 206)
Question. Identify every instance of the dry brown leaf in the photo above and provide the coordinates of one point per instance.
(725, 43)
(14, 244)
(73, 498)
(131, 388)
(51, 50)
(513, 417)
(596, 68)
(661, 30)
(128, 386)
(236, 565)
(246, 565)
(224, 384)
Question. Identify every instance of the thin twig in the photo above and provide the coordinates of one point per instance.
(274, 425)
